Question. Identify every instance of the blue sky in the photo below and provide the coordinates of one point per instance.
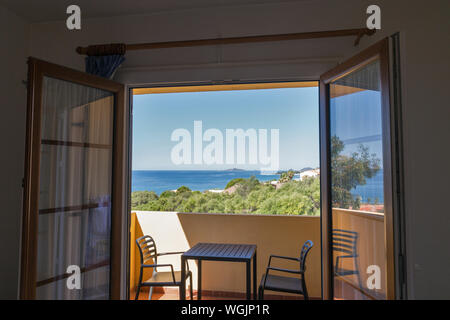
(356, 119)
(294, 111)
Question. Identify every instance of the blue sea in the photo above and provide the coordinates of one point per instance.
(201, 180)
(196, 180)
(372, 190)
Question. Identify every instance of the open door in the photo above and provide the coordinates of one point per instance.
(73, 185)
(356, 178)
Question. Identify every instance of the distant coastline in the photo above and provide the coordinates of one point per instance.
(225, 191)
(229, 170)
(204, 180)
(196, 180)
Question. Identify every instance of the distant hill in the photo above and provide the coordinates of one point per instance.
(296, 171)
(305, 169)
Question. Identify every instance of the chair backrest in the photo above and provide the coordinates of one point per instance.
(147, 249)
(304, 252)
(345, 241)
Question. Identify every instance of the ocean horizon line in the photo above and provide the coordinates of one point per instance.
(236, 169)
(208, 170)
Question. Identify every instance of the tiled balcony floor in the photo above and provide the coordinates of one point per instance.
(172, 294)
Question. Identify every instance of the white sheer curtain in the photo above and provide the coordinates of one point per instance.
(75, 190)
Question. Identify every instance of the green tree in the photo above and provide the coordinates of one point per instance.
(233, 182)
(183, 189)
(349, 171)
(167, 194)
(247, 185)
(287, 176)
(139, 198)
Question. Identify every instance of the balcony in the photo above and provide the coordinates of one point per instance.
(369, 227)
(282, 235)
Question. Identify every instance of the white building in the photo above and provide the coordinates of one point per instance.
(309, 173)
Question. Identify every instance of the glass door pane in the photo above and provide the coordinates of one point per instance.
(74, 218)
(357, 184)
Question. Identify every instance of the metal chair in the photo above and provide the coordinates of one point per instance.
(346, 241)
(286, 284)
(149, 254)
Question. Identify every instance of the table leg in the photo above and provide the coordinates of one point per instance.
(254, 276)
(249, 296)
(199, 280)
(183, 279)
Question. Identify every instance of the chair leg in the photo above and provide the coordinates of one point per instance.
(358, 275)
(150, 294)
(261, 293)
(305, 291)
(137, 292)
(191, 290)
(139, 285)
(305, 295)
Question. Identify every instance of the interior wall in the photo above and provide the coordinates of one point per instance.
(424, 34)
(14, 34)
(425, 68)
(305, 59)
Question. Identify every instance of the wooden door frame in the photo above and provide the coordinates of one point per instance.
(378, 51)
(37, 69)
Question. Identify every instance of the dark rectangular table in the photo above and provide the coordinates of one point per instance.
(219, 252)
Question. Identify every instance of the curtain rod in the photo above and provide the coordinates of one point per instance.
(121, 48)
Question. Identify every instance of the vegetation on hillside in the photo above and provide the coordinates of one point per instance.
(287, 197)
(249, 196)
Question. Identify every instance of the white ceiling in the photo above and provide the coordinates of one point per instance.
(54, 10)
